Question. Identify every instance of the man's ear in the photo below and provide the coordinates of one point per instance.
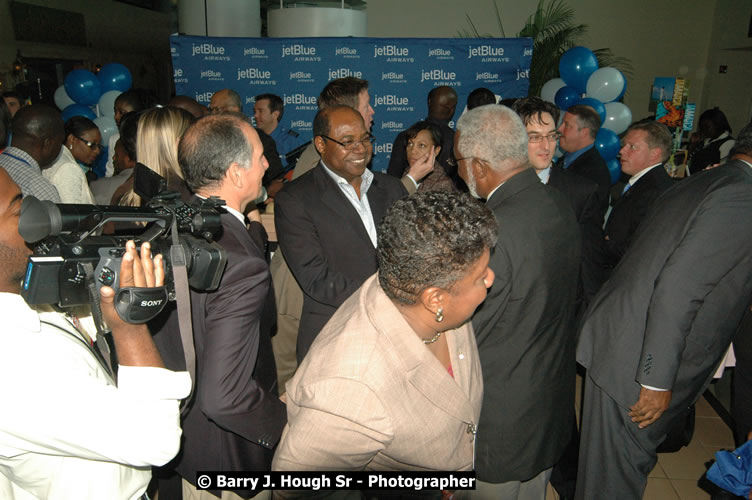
(480, 168)
(275, 114)
(233, 175)
(320, 144)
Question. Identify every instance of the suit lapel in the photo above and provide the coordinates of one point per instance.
(423, 371)
(333, 197)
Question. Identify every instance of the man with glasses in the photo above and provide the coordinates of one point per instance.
(525, 328)
(38, 135)
(225, 101)
(327, 219)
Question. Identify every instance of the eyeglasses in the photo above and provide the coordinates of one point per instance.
(552, 137)
(89, 144)
(352, 145)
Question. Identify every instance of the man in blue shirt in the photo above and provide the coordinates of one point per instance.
(268, 111)
(578, 130)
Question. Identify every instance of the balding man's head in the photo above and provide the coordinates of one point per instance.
(38, 130)
(442, 101)
(226, 101)
(188, 104)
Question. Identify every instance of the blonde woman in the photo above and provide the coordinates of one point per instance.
(159, 131)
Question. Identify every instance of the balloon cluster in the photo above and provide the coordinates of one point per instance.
(582, 82)
(85, 94)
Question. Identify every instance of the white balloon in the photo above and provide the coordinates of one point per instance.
(606, 84)
(107, 127)
(550, 88)
(618, 117)
(62, 99)
(107, 103)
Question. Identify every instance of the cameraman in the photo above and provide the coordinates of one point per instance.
(66, 431)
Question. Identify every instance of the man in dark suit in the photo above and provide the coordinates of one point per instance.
(235, 418)
(658, 328)
(524, 328)
(646, 146)
(327, 219)
(578, 130)
(540, 118)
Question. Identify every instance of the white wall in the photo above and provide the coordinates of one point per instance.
(661, 38)
(730, 46)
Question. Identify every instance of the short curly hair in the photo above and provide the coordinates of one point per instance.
(429, 239)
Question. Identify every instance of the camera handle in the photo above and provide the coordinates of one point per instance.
(103, 344)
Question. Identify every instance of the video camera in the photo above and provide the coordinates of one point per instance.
(68, 247)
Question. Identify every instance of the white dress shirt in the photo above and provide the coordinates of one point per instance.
(359, 204)
(65, 430)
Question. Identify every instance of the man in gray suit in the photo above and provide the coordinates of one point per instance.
(656, 331)
(524, 328)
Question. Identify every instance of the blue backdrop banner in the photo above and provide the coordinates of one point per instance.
(400, 72)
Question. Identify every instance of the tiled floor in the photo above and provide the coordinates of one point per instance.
(676, 475)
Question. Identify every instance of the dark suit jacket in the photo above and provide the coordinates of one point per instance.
(525, 333)
(629, 211)
(325, 243)
(235, 419)
(667, 314)
(582, 193)
(592, 166)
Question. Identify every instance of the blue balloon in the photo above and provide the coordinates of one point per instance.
(114, 76)
(83, 87)
(614, 168)
(78, 110)
(596, 105)
(576, 65)
(565, 97)
(607, 143)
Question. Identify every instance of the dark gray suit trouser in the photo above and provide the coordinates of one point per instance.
(616, 456)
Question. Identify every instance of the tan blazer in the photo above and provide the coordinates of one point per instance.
(370, 395)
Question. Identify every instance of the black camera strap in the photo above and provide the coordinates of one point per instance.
(104, 336)
(183, 299)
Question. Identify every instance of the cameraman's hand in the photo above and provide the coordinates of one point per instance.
(133, 342)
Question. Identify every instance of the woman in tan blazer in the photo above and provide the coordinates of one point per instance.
(393, 381)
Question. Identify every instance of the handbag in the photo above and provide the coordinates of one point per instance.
(681, 432)
(732, 470)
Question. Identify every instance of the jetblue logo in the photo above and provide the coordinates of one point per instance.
(485, 51)
(204, 97)
(208, 49)
(299, 75)
(486, 75)
(299, 99)
(254, 74)
(437, 75)
(385, 148)
(390, 100)
(346, 52)
(393, 53)
(343, 73)
(254, 51)
(523, 75)
(301, 124)
(440, 53)
(300, 52)
(178, 73)
(211, 74)
(393, 125)
(527, 52)
(390, 51)
(173, 50)
(392, 76)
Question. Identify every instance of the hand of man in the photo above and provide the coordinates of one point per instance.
(134, 272)
(649, 407)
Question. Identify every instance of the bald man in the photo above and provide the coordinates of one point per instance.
(226, 101)
(188, 104)
(37, 138)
